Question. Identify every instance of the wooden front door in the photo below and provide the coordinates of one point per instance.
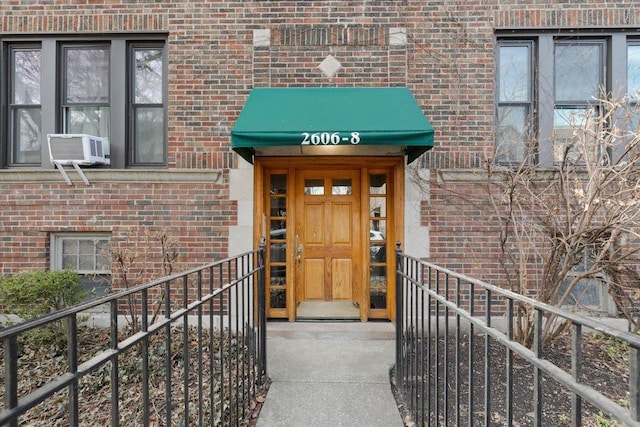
(329, 225)
(327, 235)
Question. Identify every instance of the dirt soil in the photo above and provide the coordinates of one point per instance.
(605, 368)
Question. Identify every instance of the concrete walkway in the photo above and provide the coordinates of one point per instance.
(329, 375)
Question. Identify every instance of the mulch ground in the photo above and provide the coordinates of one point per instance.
(235, 403)
(605, 368)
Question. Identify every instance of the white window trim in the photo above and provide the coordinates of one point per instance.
(56, 249)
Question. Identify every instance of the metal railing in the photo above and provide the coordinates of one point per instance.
(458, 362)
(197, 339)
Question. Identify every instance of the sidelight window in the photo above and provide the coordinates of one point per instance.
(378, 241)
(277, 243)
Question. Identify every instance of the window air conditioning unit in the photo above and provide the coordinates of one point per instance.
(78, 149)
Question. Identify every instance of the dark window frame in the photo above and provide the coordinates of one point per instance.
(65, 106)
(584, 104)
(51, 94)
(9, 149)
(529, 104)
(634, 102)
(132, 105)
(613, 74)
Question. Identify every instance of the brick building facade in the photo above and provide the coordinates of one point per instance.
(173, 77)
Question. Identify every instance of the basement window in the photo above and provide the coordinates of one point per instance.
(86, 254)
(589, 294)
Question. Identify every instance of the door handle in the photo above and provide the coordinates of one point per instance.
(298, 251)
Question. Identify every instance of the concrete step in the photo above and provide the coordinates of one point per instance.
(330, 374)
(373, 330)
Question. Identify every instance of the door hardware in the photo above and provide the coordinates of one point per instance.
(298, 251)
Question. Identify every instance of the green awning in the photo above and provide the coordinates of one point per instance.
(298, 117)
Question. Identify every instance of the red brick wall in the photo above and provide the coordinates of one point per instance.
(447, 63)
(460, 102)
(197, 216)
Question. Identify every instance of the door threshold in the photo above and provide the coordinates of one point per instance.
(330, 311)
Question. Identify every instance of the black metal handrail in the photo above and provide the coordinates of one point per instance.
(435, 305)
(221, 304)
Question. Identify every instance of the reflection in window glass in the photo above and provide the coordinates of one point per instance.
(148, 105)
(378, 299)
(26, 135)
(585, 294)
(378, 241)
(278, 278)
(86, 256)
(378, 229)
(148, 76)
(515, 73)
(571, 126)
(378, 251)
(633, 86)
(278, 253)
(25, 87)
(87, 75)
(577, 71)
(378, 277)
(149, 135)
(278, 230)
(378, 287)
(278, 298)
(86, 90)
(633, 71)
(378, 207)
(278, 184)
(378, 184)
(314, 187)
(278, 206)
(511, 136)
(25, 109)
(590, 292)
(277, 245)
(341, 187)
(89, 120)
